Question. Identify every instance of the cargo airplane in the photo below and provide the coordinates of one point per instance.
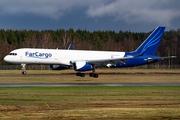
(84, 60)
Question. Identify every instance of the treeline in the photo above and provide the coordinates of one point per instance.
(86, 40)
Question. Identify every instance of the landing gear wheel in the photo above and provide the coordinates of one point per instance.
(77, 74)
(91, 74)
(80, 74)
(24, 72)
(94, 75)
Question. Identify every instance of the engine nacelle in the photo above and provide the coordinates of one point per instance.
(82, 66)
(111, 65)
(59, 67)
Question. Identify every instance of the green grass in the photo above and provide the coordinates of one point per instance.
(74, 103)
(90, 102)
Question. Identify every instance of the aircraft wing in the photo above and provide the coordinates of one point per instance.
(105, 62)
(109, 61)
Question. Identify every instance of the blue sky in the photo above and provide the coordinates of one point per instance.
(133, 15)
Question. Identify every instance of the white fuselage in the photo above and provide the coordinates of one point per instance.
(57, 56)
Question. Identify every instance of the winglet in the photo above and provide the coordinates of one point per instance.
(70, 47)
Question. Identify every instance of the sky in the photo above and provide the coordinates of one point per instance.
(91, 15)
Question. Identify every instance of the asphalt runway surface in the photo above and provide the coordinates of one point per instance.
(89, 84)
(86, 84)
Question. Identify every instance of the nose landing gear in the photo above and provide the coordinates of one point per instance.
(23, 69)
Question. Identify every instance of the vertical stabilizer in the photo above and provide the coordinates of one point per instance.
(150, 45)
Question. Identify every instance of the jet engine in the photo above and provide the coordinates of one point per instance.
(82, 66)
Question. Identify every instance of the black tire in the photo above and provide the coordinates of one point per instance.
(82, 75)
(96, 75)
(78, 74)
(24, 72)
(91, 74)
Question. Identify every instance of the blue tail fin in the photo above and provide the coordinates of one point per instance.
(150, 45)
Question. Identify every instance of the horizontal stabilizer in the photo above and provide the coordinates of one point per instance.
(168, 57)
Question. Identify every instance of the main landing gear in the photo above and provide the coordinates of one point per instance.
(93, 74)
(23, 69)
(80, 74)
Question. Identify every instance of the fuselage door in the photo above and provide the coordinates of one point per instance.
(56, 56)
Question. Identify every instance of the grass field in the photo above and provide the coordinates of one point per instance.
(105, 76)
(90, 103)
(74, 103)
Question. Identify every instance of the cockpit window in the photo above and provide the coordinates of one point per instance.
(13, 54)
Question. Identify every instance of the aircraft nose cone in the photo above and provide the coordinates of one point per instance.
(6, 58)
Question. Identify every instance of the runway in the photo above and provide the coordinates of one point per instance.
(89, 84)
